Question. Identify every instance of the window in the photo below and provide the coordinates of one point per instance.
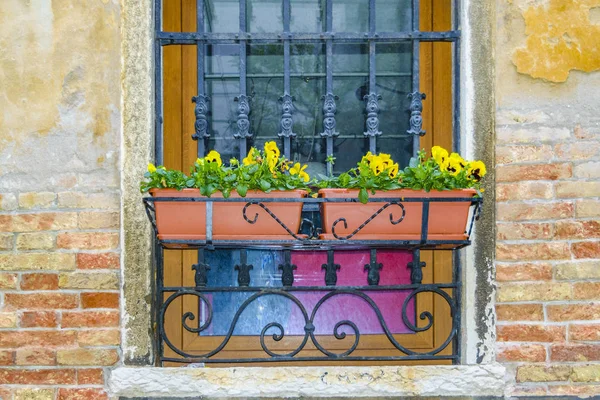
(322, 77)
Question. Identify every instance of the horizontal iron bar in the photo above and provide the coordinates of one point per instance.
(312, 244)
(301, 359)
(205, 289)
(170, 38)
(312, 75)
(313, 200)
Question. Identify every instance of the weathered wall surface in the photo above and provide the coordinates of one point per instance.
(548, 189)
(60, 197)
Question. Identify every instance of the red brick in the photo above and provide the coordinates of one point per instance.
(586, 249)
(520, 312)
(576, 150)
(523, 153)
(575, 352)
(87, 356)
(35, 356)
(584, 332)
(100, 300)
(7, 357)
(533, 172)
(8, 281)
(521, 352)
(523, 272)
(39, 281)
(99, 337)
(5, 393)
(37, 376)
(586, 291)
(90, 319)
(574, 390)
(573, 312)
(533, 251)
(41, 301)
(577, 229)
(534, 211)
(90, 376)
(88, 240)
(526, 190)
(38, 338)
(38, 319)
(530, 333)
(526, 231)
(32, 222)
(81, 394)
(98, 261)
(534, 291)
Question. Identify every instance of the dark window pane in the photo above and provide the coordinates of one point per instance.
(272, 308)
(264, 15)
(350, 15)
(307, 15)
(265, 85)
(222, 16)
(393, 15)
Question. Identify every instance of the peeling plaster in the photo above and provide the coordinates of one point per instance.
(562, 35)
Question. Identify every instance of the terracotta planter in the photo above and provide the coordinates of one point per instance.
(447, 221)
(187, 220)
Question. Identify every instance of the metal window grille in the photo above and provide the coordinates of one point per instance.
(450, 292)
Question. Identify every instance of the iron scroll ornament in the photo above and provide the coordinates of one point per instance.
(309, 325)
(371, 218)
(416, 110)
(201, 113)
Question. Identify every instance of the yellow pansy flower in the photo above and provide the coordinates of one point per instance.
(393, 170)
(386, 159)
(476, 170)
(297, 169)
(251, 157)
(272, 161)
(233, 161)
(377, 165)
(151, 168)
(368, 157)
(214, 157)
(272, 149)
(455, 164)
(440, 155)
(200, 161)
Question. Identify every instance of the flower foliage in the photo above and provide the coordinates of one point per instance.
(263, 170)
(266, 170)
(441, 171)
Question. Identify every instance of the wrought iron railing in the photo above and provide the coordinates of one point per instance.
(344, 329)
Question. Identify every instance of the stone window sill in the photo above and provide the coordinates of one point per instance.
(315, 382)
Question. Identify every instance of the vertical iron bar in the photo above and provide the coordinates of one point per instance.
(158, 121)
(287, 106)
(457, 279)
(456, 142)
(372, 99)
(159, 301)
(415, 75)
(243, 109)
(329, 107)
(201, 99)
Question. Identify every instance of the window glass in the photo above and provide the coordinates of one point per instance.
(222, 16)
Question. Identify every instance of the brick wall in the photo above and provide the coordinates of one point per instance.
(59, 324)
(548, 255)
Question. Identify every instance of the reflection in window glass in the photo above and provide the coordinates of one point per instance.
(307, 15)
(393, 15)
(264, 15)
(222, 16)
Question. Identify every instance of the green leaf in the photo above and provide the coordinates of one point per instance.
(242, 189)
(264, 185)
(363, 196)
